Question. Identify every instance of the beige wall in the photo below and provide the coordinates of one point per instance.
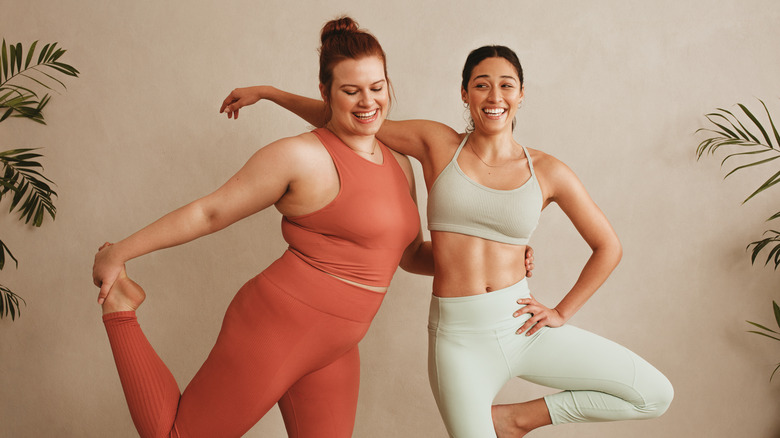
(615, 89)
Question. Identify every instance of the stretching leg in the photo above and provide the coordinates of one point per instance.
(268, 341)
(150, 389)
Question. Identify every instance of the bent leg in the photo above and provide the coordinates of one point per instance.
(322, 404)
(150, 390)
(268, 341)
(604, 381)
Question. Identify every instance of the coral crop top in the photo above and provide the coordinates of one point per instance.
(360, 235)
(458, 204)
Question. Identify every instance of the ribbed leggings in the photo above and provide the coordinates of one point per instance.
(289, 336)
(474, 351)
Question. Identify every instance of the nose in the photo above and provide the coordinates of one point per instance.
(494, 95)
(366, 99)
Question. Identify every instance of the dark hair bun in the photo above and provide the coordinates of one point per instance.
(338, 26)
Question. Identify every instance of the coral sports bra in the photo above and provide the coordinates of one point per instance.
(458, 204)
(360, 235)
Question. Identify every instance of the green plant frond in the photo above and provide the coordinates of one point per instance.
(774, 252)
(726, 131)
(15, 88)
(30, 54)
(774, 179)
(774, 216)
(772, 124)
(744, 132)
(757, 163)
(9, 303)
(6, 114)
(52, 77)
(757, 123)
(36, 80)
(4, 62)
(32, 196)
(3, 251)
(773, 372)
(17, 65)
(737, 154)
(762, 327)
(776, 308)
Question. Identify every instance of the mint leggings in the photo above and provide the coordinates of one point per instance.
(474, 351)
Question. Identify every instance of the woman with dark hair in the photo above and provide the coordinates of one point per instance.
(485, 196)
(290, 335)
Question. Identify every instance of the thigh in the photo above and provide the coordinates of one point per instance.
(268, 341)
(570, 358)
(466, 371)
(322, 404)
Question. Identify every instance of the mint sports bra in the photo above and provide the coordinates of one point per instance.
(458, 204)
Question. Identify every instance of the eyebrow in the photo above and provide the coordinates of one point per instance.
(357, 86)
(501, 77)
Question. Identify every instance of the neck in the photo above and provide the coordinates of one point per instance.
(494, 146)
(358, 143)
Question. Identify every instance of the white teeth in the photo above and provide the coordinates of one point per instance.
(494, 111)
(367, 115)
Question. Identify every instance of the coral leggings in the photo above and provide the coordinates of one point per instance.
(289, 336)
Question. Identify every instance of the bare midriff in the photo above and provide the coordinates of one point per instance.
(468, 265)
(381, 289)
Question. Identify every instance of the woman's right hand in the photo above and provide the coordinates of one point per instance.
(106, 270)
(239, 98)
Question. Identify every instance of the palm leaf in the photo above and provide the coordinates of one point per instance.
(762, 327)
(9, 303)
(15, 66)
(771, 123)
(774, 252)
(32, 196)
(3, 250)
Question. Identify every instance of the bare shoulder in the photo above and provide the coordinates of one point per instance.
(548, 166)
(298, 150)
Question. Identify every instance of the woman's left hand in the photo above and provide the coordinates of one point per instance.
(541, 316)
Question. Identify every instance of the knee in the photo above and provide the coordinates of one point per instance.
(659, 398)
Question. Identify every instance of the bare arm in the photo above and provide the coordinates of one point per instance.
(418, 256)
(409, 137)
(261, 182)
(311, 110)
(564, 188)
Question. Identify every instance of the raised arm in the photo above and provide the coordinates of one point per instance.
(415, 138)
(261, 182)
(561, 185)
(311, 110)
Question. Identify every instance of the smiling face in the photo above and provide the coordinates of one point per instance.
(494, 91)
(358, 97)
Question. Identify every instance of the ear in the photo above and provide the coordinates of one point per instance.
(464, 95)
(323, 93)
(522, 91)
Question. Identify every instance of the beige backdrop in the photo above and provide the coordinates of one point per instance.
(615, 89)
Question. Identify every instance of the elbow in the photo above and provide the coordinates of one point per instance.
(407, 263)
(618, 251)
(610, 250)
(208, 219)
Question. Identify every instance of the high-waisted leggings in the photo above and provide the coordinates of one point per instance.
(474, 351)
(289, 336)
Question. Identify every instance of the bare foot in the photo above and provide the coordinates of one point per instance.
(505, 421)
(125, 295)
